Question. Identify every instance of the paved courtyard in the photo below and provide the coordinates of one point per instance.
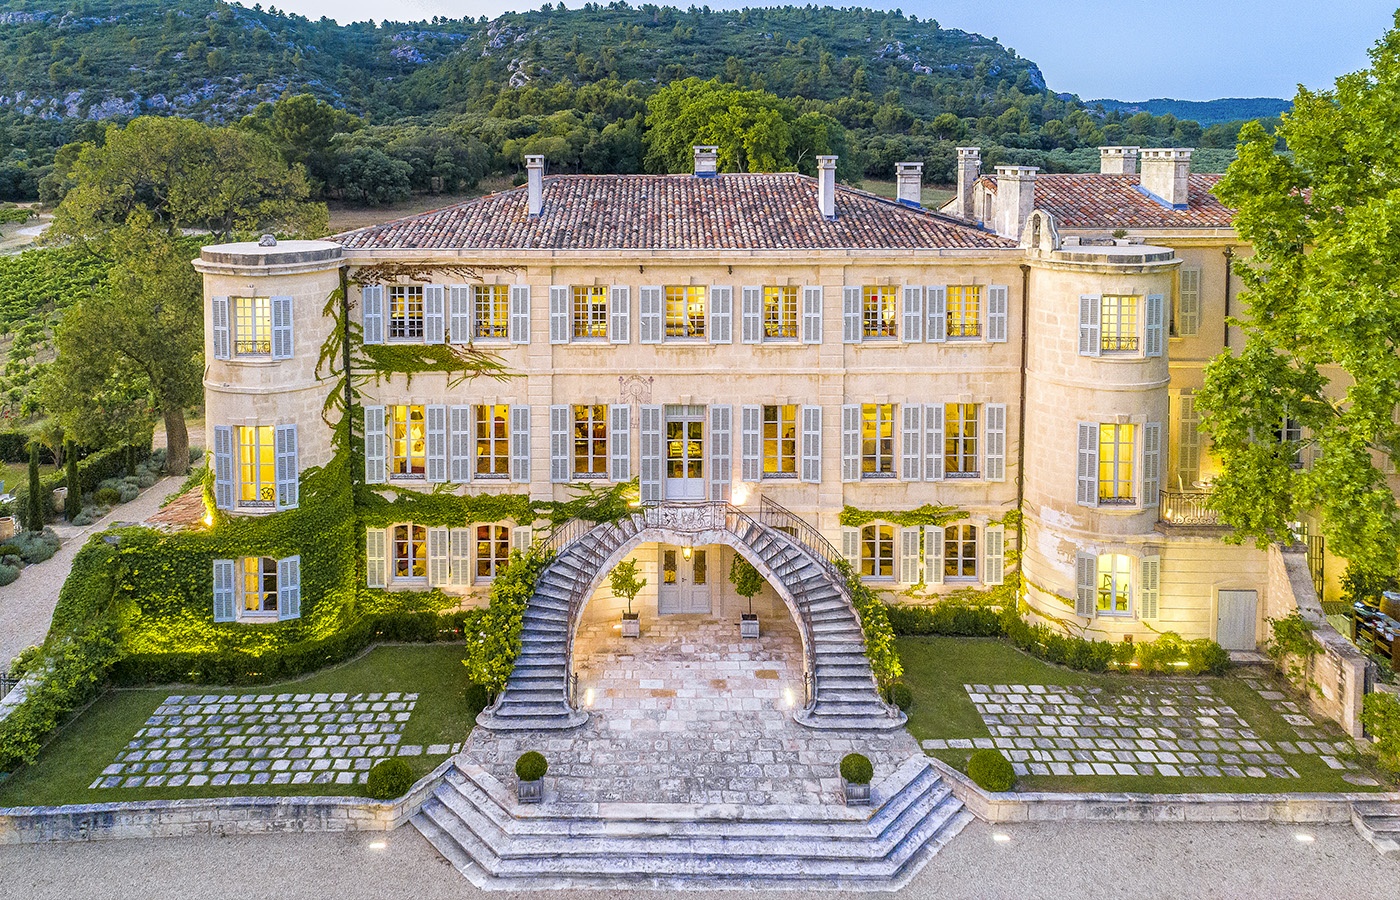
(689, 713)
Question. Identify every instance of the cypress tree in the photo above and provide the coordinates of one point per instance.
(74, 504)
(34, 514)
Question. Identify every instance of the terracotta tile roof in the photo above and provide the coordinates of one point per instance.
(674, 212)
(1112, 201)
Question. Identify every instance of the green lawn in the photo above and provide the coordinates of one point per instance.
(91, 741)
(936, 668)
(16, 475)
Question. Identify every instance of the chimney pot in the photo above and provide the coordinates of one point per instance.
(969, 168)
(909, 180)
(1015, 199)
(1164, 175)
(826, 186)
(1118, 160)
(534, 177)
(706, 161)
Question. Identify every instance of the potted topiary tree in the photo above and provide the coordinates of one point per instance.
(530, 769)
(627, 585)
(856, 773)
(747, 582)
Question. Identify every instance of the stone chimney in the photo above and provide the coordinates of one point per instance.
(969, 167)
(1118, 160)
(534, 176)
(706, 161)
(1164, 171)
(1015, 200)
(909, 178)
(826, 186)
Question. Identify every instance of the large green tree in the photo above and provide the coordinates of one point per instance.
(1322, 321)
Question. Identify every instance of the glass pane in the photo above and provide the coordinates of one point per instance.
(700, 567)
(668, 567)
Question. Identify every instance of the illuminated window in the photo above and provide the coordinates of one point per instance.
(779, 313)
(779, 441)
(1116, 465)
(685, 312)
(591, 440)
(252, 326)
(877, 439)
(406, 312)
(492, 440)
(877, 311)
(877, 551)
(590, 312)
(960, 458)
(259, 585)
(960, 553)
(492, 550)
(1118, 322)
(410, 551)
(257, 466)
(1114, 583)
(489, 310)
(668, 567)
(964, 311)
(408, 444)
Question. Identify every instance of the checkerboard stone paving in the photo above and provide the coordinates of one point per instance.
(257, 739)
(1311, 738)
(1174, 730)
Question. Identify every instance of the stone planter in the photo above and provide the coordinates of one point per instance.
(530, 791)
(748, 626)
(631, 625)
(856, 794)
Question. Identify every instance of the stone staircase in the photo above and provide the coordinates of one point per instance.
(1378, 821)
(474, 822)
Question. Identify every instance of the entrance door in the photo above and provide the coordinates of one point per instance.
(685, 452)
(1234, 627)
(685, 583)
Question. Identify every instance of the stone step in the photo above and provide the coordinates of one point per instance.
(1378, 822)
(544, 709)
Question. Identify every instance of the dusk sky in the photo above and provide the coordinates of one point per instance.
(1121, 49)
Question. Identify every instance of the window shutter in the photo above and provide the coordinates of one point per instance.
(521, 536)
(995, 441)
(223, 590)
(1151, 586)
(1151, 463)
(434, 314)
(520, 443)
(459, 420)
(751, 315)
(909, 555)
(1153, 321)
(223, 466)
(850, 546)
(220, 326)
(459, 561)
(851, 328)
(1188, 311)
(911, 440)
(1086, 573)
(376, 557)
(1188, 451)
(289, 588)
(850, 442)
(751, 443)
(435, 422)
(1090, 306)
(620, 442)
(812, 444)
(994, 554)
(1087, 473)
(651, 454)
(937, 306)
(519, 295)
(721, 451)
(559, 314)
(721, 315)
(287, 469)
(933, 442)
(281, 327)
(620, 314)
(560, 430)
(933, 554)
(438, 553)
(376, 449)
(997, 313)
(812, 314)
(372, 302)
(459, 309)
(913, 314)
(649, 315)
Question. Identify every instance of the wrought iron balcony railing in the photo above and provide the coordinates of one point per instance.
(1188, 508)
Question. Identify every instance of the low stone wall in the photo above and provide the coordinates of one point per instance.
(15, 697)
(213, 816)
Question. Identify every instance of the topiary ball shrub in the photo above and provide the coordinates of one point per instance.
(991, 771)
(900, 695)
(388, 779)
(857, 768)
(531, 766)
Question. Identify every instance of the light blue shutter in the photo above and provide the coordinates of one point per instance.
(1153, 324)
(750, 443)
(439, 565)
(850, 442)
(1151, 463)
(459, 421)
(223, 590)
(288, 470)
(558, 314)
(812, 444)
(721, 452)
(376, 557)
(519, 313)
(909, 555)
(913, 325)
(997, 309)
(459, 307)
(281, 327)
(721, 315)
(812, 314)
(651, 454)
(933, 442)
(995, 442)
(620, 442)
(936, 305)
(649, 315)
(373, 310)
(1090, 343)
(911, 433)
(1151, 586)
(521, 536)
(289, 588)
(220, 326)
(1086, 572)
(850, 546)
(520, 444)
(1087, 469)
(751, 319)
(223, 466)
(851, 327)
(620, 315)
(1188, 308)
(933, 554)
(435, 430)
(434, 314)
(459, 548)
(560, 430)
(376, 446)
(993, 554)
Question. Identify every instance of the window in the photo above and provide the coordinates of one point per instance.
(406, 312)
(964, 311)
(960, 458)
(257, 466)
(490, 310)
(877, 551)
(779, 441)
(408, 446)
(493, 440)
(1290, 432)
(877, 311)
(410, 551)
(259, 585)
(1188, 451)
(590, 312)
(1116, 465)
(1118, 321)
(591, 441)
(877, 439)
(252, 326)
(960, 553)
(1114, 584)
(685, 312)
(779, 313)
(492, 550)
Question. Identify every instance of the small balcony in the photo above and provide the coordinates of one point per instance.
(1187, 509)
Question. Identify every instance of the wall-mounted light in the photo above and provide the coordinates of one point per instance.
(685, 552)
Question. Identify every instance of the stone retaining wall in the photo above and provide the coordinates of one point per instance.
(216, 816)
